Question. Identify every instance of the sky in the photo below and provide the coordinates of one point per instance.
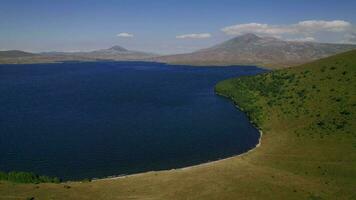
(168, 26)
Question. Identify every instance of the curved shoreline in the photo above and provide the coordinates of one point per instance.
(183, 168)
(193, 166)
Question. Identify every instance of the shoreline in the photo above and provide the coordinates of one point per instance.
(197, 165)
(183, 168)
(227, 65)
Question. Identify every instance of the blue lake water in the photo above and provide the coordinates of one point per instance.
(86, 120)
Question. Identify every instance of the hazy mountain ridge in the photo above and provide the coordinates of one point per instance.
(113, 53)
(116, 52)
(250, 49)
(14, 54)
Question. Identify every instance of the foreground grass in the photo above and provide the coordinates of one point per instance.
(308, 149)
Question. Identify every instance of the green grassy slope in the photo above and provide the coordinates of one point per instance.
(311, 111)
(308, 148)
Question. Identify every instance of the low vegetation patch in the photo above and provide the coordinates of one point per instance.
(27, 177)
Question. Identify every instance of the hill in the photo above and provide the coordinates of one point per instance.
(119, 53)
(250, 49)
(15, 54)
(116, 53)
(113, 53)
(308, 148)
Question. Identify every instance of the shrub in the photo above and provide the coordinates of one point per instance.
(27, 177)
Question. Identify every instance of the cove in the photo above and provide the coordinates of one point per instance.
(79, 120)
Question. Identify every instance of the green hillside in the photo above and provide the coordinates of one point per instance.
(308, 149)
(310, 111)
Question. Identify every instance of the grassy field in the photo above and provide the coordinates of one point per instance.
(308, 149)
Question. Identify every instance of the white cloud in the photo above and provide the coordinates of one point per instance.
(321, 25)
(304, 27)
(194, 36)
(256, 28)
(127, 35)
(304, 39)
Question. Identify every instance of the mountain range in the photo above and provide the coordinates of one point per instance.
(248, 49)
(14, 54)
(116, 53)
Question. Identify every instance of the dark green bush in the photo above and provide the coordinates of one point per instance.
(27, 177)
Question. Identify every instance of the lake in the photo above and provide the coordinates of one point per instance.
(83, 120)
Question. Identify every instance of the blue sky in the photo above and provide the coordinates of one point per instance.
(167, 26)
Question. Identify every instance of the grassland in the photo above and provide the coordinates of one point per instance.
(308, 149)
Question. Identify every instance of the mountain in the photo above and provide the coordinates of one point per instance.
(250, 49)
(113, 53)
(15, 54)
(117, 48)
(18, 57)
(117, 53)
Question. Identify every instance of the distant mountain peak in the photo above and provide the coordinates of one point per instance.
(248, 36)
(237, 42)
(245, 39)
(117, 48)
(250, 49)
